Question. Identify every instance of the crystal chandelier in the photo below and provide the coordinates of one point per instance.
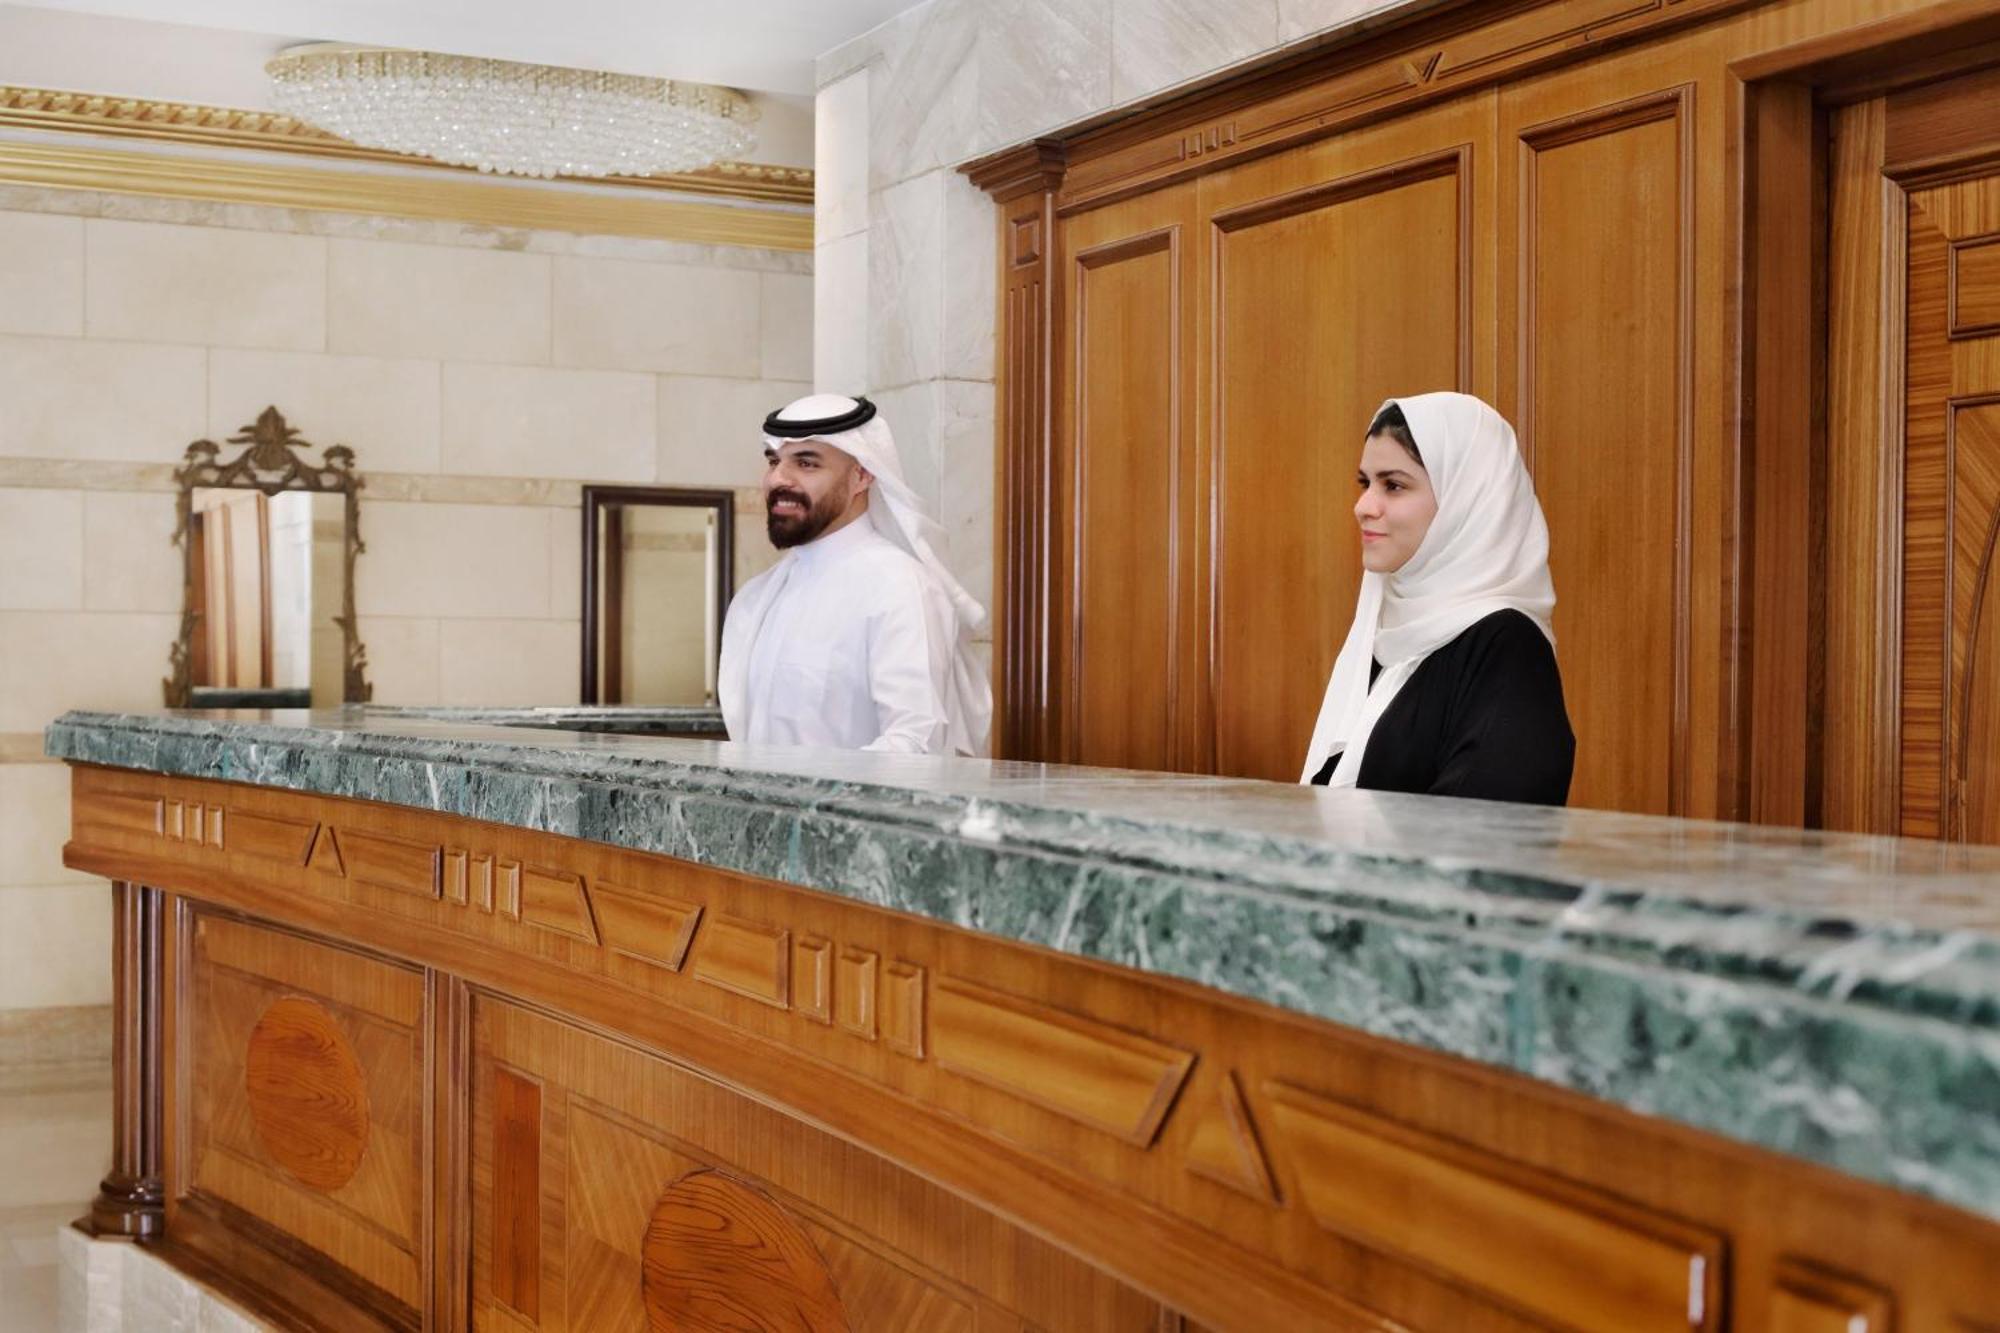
(499, 115)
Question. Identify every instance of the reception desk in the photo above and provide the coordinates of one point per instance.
(444, 1024)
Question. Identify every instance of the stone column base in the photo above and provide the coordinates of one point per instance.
(111, 1285)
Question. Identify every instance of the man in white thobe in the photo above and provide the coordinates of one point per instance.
(858, 638)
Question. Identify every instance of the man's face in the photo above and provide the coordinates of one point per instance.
(808, 487)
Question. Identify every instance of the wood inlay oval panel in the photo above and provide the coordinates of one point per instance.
(307, 1094)
(720, 1257)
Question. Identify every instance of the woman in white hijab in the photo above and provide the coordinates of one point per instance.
(1447, 683)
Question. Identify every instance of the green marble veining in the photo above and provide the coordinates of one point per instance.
(1832, 997)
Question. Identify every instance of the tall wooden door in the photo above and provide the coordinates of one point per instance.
(1951, 498)
(1914, 312)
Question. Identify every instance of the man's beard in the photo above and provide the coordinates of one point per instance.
(787, 530)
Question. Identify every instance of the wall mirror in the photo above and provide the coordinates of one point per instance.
(657, 573)
(268, 542)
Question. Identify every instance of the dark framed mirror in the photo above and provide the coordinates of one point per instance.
(658, 570)
(268, 543)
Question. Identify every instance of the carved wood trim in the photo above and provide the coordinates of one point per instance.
(1407, 61)
(1029, 305)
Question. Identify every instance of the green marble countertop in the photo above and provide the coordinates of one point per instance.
(1832, 997)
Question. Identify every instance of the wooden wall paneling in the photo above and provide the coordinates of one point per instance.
(1780, 646)
(447, 1156)
(1127, 508)
(1022, 181)
(1333, 278)
(1598, 227)
(1864, 358)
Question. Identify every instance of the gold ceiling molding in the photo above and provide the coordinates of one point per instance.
(233, 127)
(632, 206)
(445, 196)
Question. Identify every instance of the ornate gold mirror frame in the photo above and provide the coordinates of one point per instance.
(273, 460)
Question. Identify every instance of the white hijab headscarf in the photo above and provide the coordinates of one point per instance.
(896, 513)
(1487, 550)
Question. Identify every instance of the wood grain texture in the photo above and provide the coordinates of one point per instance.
(1864, 380)
(1127, 445)
(307, 1093)
(1811, 1300)
(1118, 1081)
(1328, 297)
(1224, 1145)
(648, 927)
(720, 1257)
(746, 957)
(517, 1193)
(1605, 244)
(1562, 1257)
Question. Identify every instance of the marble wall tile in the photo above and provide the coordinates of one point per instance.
(71, 398)
(965, 486)
(1158, 43)
(41, 273)
(392, 299)
(923, 98)
(402, 657)
(786, 305)
(912, 414)
(131, 562)
(41, 550)
(1302, 18)
(53, 949)
(971, 280)
(906, 282)
(712, 430)
(385, 409)
(453, 560)
(529, 421)
(1042, 63)
(566, 563)
(840, 315)
(220, 288)
(612, 314)
(509, 662)
(840, 158)
(34, 824)
(52, 661)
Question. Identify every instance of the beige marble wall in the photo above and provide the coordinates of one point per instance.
(905, 269)
(481, 375)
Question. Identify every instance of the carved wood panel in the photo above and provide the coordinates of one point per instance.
(1951, 532)
(674, 1203)
(305, 1067)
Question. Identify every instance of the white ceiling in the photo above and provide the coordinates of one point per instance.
(763, 45)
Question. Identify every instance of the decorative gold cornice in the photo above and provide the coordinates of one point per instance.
(446, 195)
(233, 127)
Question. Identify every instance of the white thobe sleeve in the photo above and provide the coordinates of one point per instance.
(909, 675)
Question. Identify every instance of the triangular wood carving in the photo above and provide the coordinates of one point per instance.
(1224, 1145)
(1421, 68)
(325, 854)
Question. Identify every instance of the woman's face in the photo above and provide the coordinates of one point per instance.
(1396, 506)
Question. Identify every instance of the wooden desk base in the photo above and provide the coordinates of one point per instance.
(413, 1071)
